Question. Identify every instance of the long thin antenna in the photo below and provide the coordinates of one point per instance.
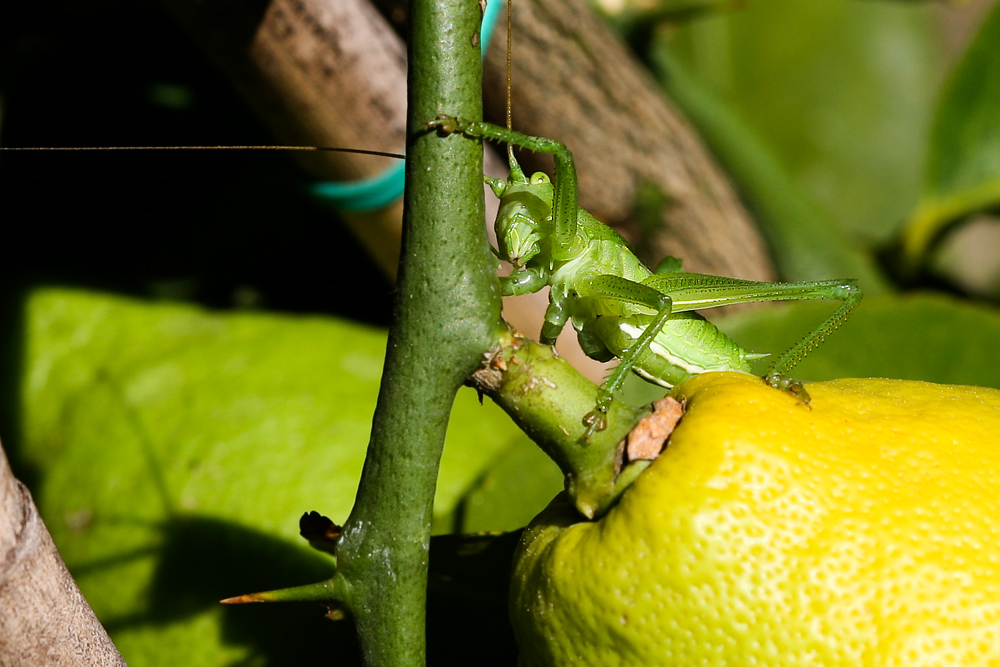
(510, 125)
(359, 151)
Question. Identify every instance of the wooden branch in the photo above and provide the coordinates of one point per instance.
(44, 619)
(318, 74)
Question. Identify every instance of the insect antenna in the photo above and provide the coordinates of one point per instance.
(359, 151)
(510, 125)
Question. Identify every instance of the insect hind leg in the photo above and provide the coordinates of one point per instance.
(777, 376)
(627, 291)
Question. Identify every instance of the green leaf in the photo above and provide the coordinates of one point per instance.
(519, 484)
(963, 166)
(928, 337)
(176, 450)
(840, 90)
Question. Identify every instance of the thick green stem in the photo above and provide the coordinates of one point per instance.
(446, 315)
(548, 398)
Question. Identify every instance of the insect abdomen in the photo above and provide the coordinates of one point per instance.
(687, 345)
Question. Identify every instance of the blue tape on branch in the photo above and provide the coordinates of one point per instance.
(367, 194)
(373, 193)
(490, 16)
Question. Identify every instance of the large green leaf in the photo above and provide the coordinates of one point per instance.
(963, 166)
(176, 450)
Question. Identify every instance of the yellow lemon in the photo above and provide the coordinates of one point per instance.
(861, 529)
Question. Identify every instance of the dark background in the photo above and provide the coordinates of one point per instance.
(220, 229)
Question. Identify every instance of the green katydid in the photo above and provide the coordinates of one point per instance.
(618, 307)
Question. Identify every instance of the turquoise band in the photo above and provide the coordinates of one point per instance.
(367, 194)
(373, 193)
(490, 17)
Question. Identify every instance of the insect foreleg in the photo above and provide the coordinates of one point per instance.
(556, 316)
(564, 203)
(523, 282)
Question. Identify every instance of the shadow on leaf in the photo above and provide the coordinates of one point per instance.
(202, 560)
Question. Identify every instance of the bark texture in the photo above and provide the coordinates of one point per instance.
(318, 74)
(44, 620)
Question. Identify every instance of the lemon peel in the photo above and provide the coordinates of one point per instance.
(861, 529)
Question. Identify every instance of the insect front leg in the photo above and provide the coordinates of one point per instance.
(528, 281)
(564, 201)
(556, 316)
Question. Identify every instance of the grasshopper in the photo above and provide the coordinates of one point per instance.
(619, 307)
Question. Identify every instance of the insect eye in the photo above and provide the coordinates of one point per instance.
(538, 178)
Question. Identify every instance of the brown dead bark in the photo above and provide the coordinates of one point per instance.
(44, 620)
(318, 74)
